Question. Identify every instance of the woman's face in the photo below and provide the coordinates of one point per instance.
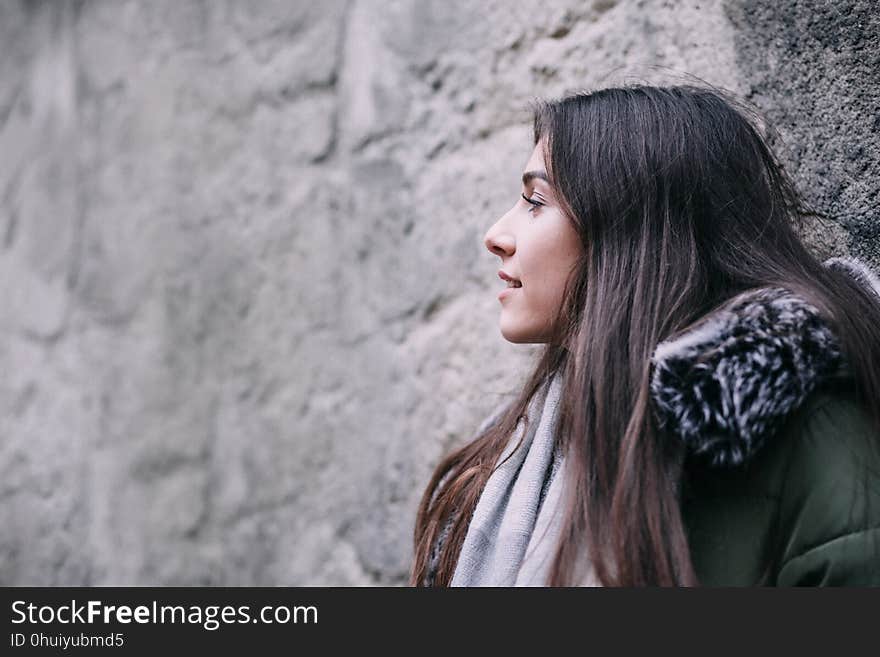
(539, 247)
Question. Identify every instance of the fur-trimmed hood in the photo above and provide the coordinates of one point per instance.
(726, 384)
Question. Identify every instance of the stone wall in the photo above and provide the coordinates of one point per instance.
(244, 298)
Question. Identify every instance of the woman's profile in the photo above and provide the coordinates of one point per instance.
(706, 406)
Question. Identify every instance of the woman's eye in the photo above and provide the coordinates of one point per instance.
(534, 204)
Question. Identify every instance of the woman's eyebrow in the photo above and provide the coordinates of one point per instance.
(528, 176)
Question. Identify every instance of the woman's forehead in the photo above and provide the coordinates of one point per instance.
(535, 167)
(536, 159)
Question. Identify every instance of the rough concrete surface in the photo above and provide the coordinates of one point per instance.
(244, 299)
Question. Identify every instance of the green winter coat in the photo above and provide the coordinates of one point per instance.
(782, 485)
(805, 510)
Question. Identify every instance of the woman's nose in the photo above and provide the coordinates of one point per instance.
(498, 240)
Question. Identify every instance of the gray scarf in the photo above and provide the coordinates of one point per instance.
(516, 523)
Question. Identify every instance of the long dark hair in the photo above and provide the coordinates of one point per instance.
(680, 203)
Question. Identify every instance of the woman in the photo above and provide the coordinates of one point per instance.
(707, 406)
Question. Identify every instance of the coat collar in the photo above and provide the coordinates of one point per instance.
(726, 384)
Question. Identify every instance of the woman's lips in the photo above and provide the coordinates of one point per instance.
(506, 291)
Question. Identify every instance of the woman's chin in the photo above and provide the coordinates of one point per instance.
(517, 335)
